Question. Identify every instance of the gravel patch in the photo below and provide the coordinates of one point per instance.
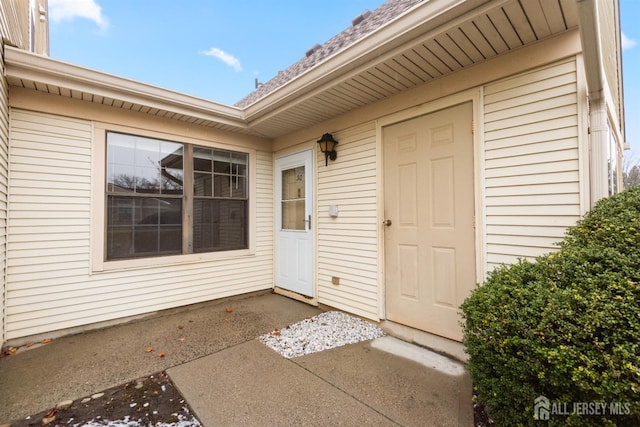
(326, 330)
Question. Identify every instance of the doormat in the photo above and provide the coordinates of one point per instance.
(326, 330)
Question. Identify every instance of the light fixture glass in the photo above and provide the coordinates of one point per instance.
(328, 147)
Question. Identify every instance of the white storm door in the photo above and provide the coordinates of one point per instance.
(294, 234)
(429, 204)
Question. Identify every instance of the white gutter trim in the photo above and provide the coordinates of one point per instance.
(620, 88)
(590, 36)
(21, 64)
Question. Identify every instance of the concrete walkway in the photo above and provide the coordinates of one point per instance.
(230, 378)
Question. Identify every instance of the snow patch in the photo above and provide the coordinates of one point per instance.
(183, 421)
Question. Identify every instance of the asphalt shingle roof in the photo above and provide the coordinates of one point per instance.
(364, 24)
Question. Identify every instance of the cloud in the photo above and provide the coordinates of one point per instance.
(223, 56)
(627, 43)
(62, 10)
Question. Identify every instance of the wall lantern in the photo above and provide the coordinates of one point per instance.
(328, 147)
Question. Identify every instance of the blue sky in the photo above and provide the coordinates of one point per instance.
(214, 49)
(629, 20)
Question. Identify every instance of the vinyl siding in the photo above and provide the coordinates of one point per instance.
(265, 214)
(14, 23)
(4, 147)
(611, 55)
(531, 183)
(347, 245)
(49, 284)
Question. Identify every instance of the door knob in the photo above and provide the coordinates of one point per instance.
(386, 222)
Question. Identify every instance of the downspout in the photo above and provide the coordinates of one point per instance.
(598, 120)
(599, 139)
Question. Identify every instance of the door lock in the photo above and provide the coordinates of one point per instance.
(386, 222)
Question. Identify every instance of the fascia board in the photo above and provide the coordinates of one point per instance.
(28, 66)
(374, 45)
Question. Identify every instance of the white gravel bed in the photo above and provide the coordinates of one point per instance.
(326, 330)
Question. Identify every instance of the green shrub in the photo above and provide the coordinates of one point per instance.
(566, 326)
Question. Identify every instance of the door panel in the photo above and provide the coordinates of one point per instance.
(294, 237)
(429, 198)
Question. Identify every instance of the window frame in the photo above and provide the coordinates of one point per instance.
(99, 262)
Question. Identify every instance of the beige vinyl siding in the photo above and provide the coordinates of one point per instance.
(611, 55)
(4, 147)
(49, 284)
(532, 188)
(14, 22)
(347, 245)
(265, 211)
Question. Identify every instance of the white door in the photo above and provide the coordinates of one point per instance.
(294, 236)
(429, 205)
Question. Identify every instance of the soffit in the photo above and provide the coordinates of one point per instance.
(47, 75)
(433, 39)
(437, 41)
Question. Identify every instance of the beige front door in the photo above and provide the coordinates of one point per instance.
(429, 208)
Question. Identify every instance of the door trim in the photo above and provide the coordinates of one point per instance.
(475, 97)
(311, 149)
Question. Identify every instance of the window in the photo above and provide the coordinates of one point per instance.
(169, 198)
(293, 199)
(220, 200)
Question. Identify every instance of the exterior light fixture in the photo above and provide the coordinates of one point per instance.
(328, 147)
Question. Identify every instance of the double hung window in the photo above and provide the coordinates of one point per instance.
(170, 198)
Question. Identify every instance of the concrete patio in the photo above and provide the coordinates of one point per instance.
(230, 378)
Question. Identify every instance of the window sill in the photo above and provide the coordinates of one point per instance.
(168, 261)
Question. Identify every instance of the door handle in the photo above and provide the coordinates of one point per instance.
(386, 222)
(308, 221)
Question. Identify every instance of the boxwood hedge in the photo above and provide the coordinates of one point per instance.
(565, 326)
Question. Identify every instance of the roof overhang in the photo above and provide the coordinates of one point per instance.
(376, 47)
(45, 74)
(431, 40)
